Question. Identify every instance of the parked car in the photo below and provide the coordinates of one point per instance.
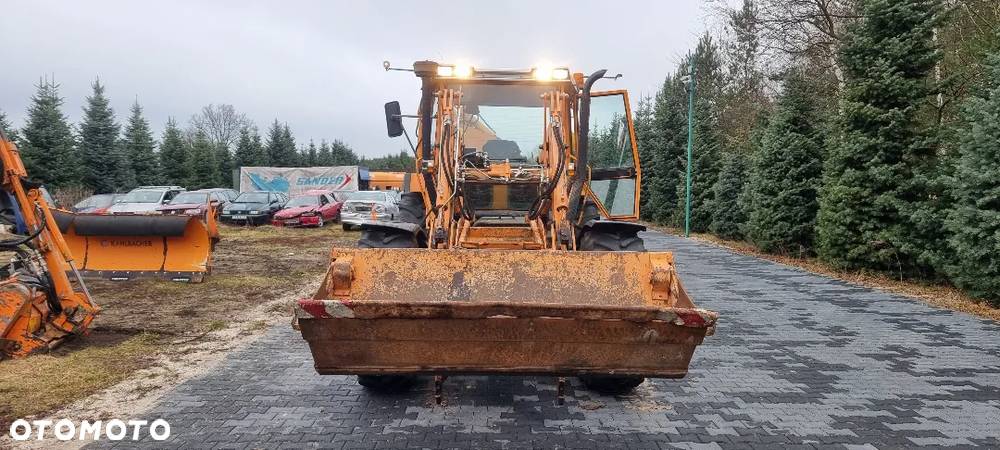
(145, 199)
(310, 208)
(363, 205)
(97, 204)
(195, 203)
(254, 207)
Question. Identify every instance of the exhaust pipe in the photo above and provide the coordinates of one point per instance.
(580, 177)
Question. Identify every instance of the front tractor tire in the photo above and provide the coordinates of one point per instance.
(621, 240)
(386, 238)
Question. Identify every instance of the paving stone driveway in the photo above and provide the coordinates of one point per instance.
(798, 360)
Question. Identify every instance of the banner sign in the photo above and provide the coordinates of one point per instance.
(294, 180)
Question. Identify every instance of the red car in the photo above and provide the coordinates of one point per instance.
(195, 203)
(310, 208)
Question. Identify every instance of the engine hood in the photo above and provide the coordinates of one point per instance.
(288, 213)
(246, 206)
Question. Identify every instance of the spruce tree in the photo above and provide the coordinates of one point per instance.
(47, 143)
(141, 148)
(173, 155)
(224, 159)
(643, 125)
(8, 129)
(974, 221)
(249, 150)
(728, 216)
(202, 167)
(291, 154)
(874, 185)
(311, 155)
(669, 129)
(785, 174)
(324, 157)
(105, 166)
(705, 164)
(343, 155)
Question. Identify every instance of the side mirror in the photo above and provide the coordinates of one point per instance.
(393, 119)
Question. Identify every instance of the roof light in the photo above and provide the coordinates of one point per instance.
(446, 71)
(463, 71)
(549, 73)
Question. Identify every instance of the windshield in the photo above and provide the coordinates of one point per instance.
(311, 200)
(252, 197)
(143, 197)
(505, 121)
(367, 196)
(199, 198)
(96, 201)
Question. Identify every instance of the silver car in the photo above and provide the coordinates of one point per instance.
(362, 206)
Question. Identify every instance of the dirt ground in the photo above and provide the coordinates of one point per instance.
(145, 324)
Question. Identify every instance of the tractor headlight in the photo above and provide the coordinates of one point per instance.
(459, 71)
(549, 73)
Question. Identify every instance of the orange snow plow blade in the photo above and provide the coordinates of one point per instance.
(407, 311)
(124, 247)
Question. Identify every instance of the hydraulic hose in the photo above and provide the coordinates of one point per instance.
(536, 206)
(580, 177)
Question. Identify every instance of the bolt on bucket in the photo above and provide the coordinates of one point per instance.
(410, 311)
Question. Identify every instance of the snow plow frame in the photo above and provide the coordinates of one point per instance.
(127, 247)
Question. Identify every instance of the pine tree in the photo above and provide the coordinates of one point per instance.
(669, 129)
(324, 158)
(275, 145)
(974, 221)
(289, 148)
(173, 155)
(343, 155)
(728, 216)
(249, 150)
(105, 166)
(224, 159)
(312, 157)
(47, 140)
(202, 167)
(874, 183)
(644, 134)
(8, 129)
(707, 139)
(785, 174)
(141, 148)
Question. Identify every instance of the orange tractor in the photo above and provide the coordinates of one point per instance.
(517, 251)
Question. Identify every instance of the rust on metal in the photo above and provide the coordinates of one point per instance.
(397, 311)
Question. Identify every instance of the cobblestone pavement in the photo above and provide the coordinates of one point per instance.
(799, 360)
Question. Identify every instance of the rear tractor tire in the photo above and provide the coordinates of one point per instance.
(611, 241)
(386, 238)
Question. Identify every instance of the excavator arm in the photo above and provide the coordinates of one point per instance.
(40, 307)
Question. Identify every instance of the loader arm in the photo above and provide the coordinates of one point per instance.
(39, 306)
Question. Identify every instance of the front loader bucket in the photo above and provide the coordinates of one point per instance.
(406, 311)
(125, 247)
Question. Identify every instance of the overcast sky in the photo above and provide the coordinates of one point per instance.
(317, 65)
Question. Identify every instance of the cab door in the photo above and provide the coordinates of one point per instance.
(613, 157)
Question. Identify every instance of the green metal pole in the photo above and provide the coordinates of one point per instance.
(687, 202)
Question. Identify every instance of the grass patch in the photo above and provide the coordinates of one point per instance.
(216, 325)
(937, 294)
(41, 383)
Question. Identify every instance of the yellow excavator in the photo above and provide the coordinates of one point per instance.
(517, 250)
(40, 307)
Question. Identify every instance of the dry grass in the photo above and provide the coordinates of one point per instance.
(252, 267)
(44, 382)
(940, 295)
